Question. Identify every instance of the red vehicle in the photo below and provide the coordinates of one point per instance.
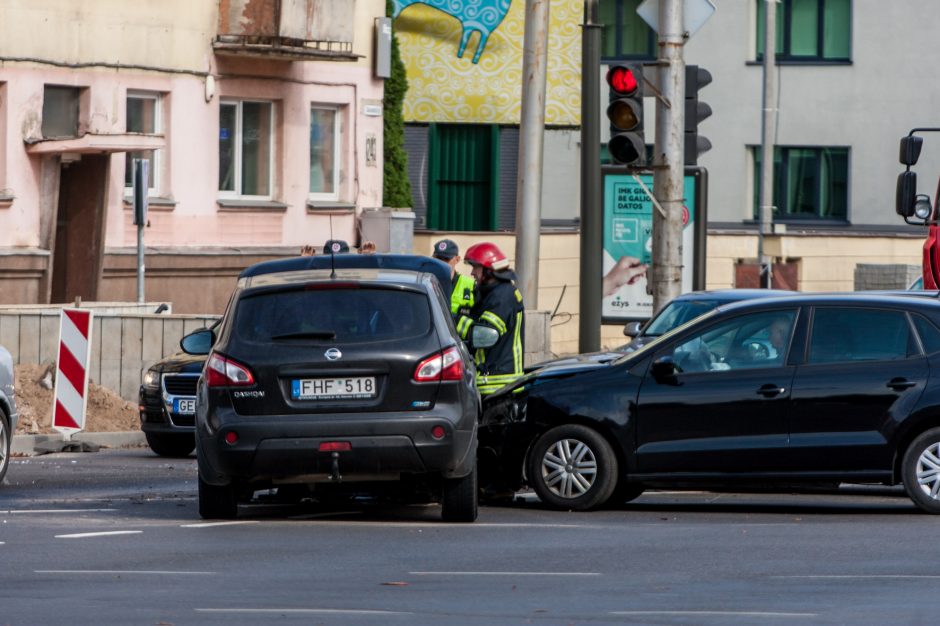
(916, 208)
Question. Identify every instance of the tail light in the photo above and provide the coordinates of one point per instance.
(223, 372)
(446, 365)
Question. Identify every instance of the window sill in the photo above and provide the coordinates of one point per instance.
(760, 63)
(251, 205)
(153, 202)
(332, 207)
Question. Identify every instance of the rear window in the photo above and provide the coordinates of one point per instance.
(332, 315)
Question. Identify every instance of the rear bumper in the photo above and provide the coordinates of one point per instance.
(286, 448)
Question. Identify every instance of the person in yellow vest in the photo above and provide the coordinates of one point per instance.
(463, 288)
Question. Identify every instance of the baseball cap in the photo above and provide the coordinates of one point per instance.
(335, 246)
(445, 249)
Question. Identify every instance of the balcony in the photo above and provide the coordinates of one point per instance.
(287, 29)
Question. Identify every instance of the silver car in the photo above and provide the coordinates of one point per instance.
(8, 413)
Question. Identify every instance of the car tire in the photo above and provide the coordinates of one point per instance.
(920, 471)
(217, 502)
(572, 467)
(461, 498)
(6, 438)
(626, 492)
(173, 445)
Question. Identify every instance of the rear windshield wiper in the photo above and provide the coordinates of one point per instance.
(313, 334)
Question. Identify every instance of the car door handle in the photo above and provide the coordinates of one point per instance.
(769, 391)
(900, 383)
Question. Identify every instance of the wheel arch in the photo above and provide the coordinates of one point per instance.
(904, 439)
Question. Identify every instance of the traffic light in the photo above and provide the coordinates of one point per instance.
(625, 112)
(695, 79)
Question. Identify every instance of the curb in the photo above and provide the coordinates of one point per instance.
(29, 445)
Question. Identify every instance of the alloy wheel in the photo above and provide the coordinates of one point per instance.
(569, 468)
(928, 471)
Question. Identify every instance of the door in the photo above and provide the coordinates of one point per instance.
(864, 372)
(726, 408)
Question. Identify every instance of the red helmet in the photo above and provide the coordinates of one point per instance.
(486, 255)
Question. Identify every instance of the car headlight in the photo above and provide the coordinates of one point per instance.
(151, 378)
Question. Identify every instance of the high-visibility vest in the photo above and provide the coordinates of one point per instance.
(461, 298)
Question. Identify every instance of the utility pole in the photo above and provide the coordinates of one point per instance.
(531, 150)
(769, 120)
(669, 159)
(592, 229)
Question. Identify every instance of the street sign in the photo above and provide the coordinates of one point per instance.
(71, 380)
(694, 14)
(628, 239)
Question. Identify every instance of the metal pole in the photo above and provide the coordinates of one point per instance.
(768, 132)
(592, 226)
(140, 263)
(532, 131)
(668, 163)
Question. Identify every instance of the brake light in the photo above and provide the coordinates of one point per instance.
(446, 365)
(222, 372)
(335, 446)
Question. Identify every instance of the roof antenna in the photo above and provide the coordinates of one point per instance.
(332, 252)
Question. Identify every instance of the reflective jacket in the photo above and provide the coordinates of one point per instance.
(461, 297)
(500, 307)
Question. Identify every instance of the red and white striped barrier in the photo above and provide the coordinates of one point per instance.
(71, 381)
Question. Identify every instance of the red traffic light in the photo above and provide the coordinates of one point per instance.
(622, 80)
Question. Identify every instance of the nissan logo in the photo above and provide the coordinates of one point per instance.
(332, 354)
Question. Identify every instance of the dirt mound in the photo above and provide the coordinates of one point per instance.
(106, 411)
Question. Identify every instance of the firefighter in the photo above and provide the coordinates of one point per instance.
(463, 288)
(499, 306)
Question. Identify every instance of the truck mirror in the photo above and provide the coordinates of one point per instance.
(910, 149)
(906, 192)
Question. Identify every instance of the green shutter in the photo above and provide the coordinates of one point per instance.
(463, 176)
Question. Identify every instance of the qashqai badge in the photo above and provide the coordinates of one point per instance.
(332, 354)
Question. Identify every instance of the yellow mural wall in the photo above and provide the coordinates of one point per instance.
(445, 88)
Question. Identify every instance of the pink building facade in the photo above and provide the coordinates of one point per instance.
(260, 136)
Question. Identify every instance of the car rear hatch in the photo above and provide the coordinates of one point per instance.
(333, 347)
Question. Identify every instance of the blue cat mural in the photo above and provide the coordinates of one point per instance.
(483, 16)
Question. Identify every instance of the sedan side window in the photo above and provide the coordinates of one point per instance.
(748, 341)
(841, 334)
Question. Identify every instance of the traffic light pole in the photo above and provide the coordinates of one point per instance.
(767, 142)
(592, 228)
(668, 162)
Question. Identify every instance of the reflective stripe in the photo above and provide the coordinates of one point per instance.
(517, 355)
(463, 326)
(493, 320)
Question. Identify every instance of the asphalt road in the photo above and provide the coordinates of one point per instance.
(113, 537)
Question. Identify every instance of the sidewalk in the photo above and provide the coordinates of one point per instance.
(31, 445)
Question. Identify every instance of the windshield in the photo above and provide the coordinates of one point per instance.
(676, 313)
(660, 339)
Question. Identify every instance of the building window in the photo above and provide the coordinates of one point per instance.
(246, 148)
(324, 153)
(143, 116)
(809, 30)
(809, 183)
(463, 176)
(60, 107)
(624, 34)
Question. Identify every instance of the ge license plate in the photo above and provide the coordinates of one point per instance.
(333, 388)
(184, 406)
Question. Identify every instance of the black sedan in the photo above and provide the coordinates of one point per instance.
(795, 389)
(167, 402)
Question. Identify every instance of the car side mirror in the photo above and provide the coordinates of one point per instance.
(664, 369)
(483, 337)
(198, 342)
(632, 329)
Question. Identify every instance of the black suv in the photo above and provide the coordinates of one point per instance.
(338, 376)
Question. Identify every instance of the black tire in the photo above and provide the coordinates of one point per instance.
(6, 437)
(173, 445)
(572, 467)
(920, 471)
(461, 498)
(626, 492)
(217, 502)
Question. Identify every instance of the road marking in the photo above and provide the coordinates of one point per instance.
(863, 576)
(309, 611)
(442, 526)
(121, 572)
(44, 511)
(715, 613)
(211, 524)
(99, 534)
(504, 573)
